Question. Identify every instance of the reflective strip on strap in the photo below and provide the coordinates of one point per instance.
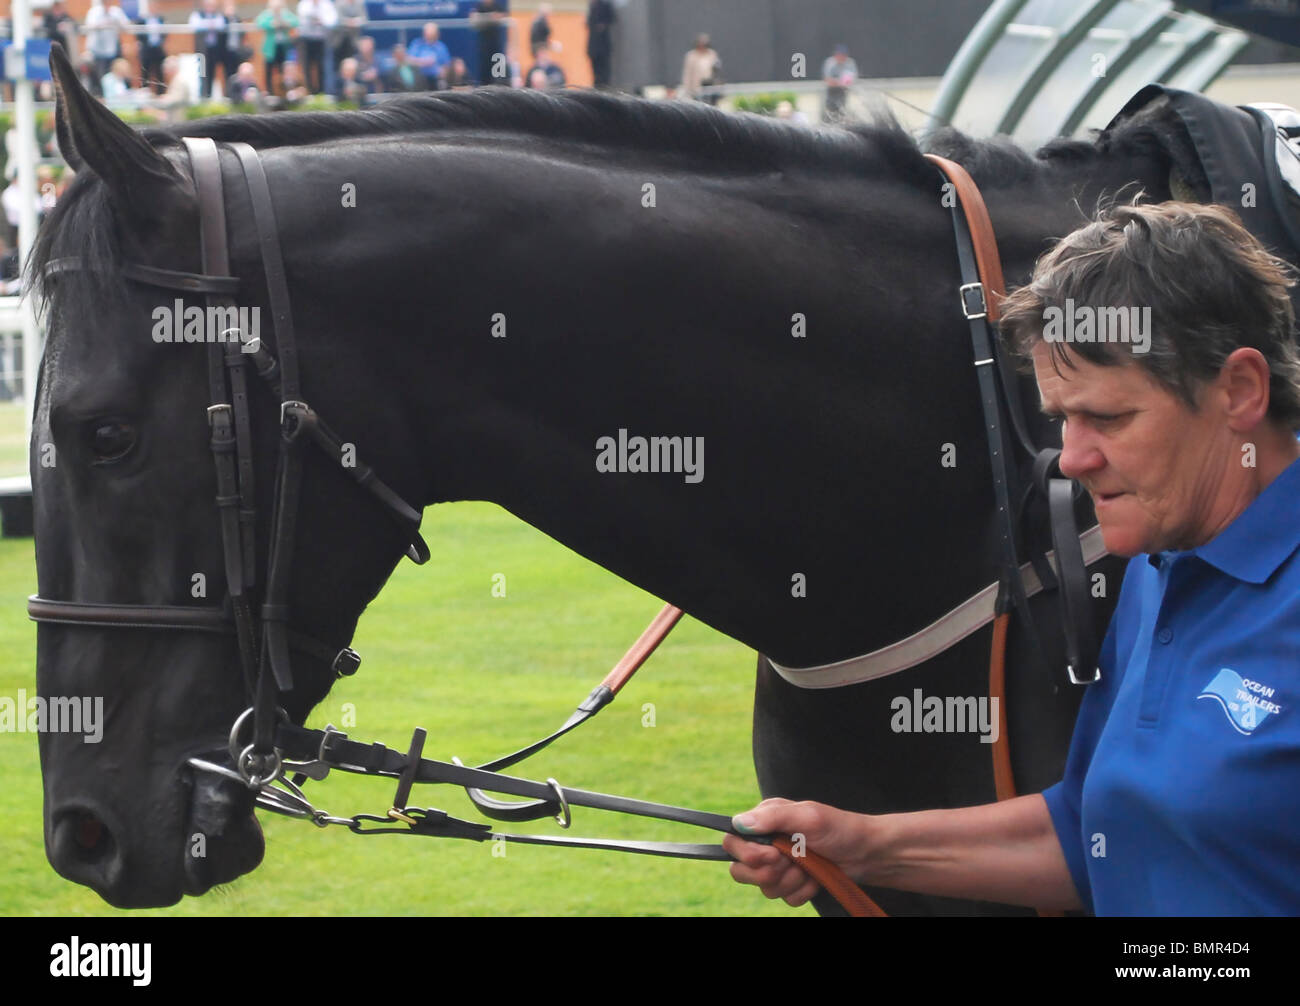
(969, 616)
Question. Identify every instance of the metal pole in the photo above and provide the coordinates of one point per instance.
(25, 154)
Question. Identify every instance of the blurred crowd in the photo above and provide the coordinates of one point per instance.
(292, 50)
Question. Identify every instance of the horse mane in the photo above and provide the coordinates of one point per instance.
(84, 217)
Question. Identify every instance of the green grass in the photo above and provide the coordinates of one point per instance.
(484, 675)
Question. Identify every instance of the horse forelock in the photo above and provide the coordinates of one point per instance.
(82, 224)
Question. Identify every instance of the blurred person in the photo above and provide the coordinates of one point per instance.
(210, 42)
(116, 84)
(243, 85)
(151, 48)
(600, 40)
(429, 53)
(61, 26)
(549, 69)
(403, 76)
(238, 50)
(349, 87)
(12, 200)
(277, 26)
(539, 34)
(86, 74)
(838, 74)
(786, 110)
(702, 68)
(347, 34)
(367, 66)
(177, 97)
(296, 90)
(316, 20)
(458, 76)
(104, 25)
(489, 22)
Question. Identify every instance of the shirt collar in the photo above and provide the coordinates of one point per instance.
(1263, 536)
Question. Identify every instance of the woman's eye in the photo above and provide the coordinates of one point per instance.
(110, 440)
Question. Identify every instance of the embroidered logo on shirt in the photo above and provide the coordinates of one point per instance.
(1247, 703)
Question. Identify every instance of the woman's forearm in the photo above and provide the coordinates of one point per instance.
(1006, 852)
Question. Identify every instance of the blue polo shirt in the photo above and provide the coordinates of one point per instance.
(1181, 794)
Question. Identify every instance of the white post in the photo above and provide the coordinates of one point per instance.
(26, 155)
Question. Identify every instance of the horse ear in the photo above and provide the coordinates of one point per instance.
(90, 136)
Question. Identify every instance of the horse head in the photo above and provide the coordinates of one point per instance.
(124, 486)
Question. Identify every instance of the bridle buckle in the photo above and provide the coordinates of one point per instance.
(346, 662)
(973, 303)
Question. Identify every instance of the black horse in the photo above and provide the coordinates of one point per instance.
(485, 286)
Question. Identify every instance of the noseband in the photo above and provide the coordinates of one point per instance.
(262, 631)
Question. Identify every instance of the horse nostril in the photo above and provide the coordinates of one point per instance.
(91, 840)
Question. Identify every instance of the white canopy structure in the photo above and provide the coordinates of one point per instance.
(1037, 69)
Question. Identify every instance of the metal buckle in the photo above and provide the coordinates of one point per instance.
(563, 818)
(1075, 679)
(346, 662)
(214, 409)
(964, 290)
(285, 406)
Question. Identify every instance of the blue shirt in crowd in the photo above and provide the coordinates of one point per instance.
(421, 50)
(1181, 794)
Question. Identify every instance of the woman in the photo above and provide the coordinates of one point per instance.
(1178, 796)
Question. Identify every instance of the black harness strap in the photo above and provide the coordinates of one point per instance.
(980, 291)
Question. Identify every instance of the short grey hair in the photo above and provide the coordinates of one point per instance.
(1211, 287)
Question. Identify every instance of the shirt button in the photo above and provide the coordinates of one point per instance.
(1165, 635)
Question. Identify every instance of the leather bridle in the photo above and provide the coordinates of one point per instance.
(277, 757)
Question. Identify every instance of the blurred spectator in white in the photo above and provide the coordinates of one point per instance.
(243, 85)
(209, 24)
(702, 68)
(103, 26)
(116, 84)
(600, 40)
(316, 19)
(13, 204)
(150, 44)
(178, 96)
(429, 53)
(367, 66)
(552, 75)
(838, 73)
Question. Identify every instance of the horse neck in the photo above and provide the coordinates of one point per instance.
(797, 331)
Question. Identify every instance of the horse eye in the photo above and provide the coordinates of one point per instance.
(110, 440)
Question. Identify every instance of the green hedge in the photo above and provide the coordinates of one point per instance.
(764, 104)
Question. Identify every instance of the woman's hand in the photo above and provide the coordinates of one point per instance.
(838, 835)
